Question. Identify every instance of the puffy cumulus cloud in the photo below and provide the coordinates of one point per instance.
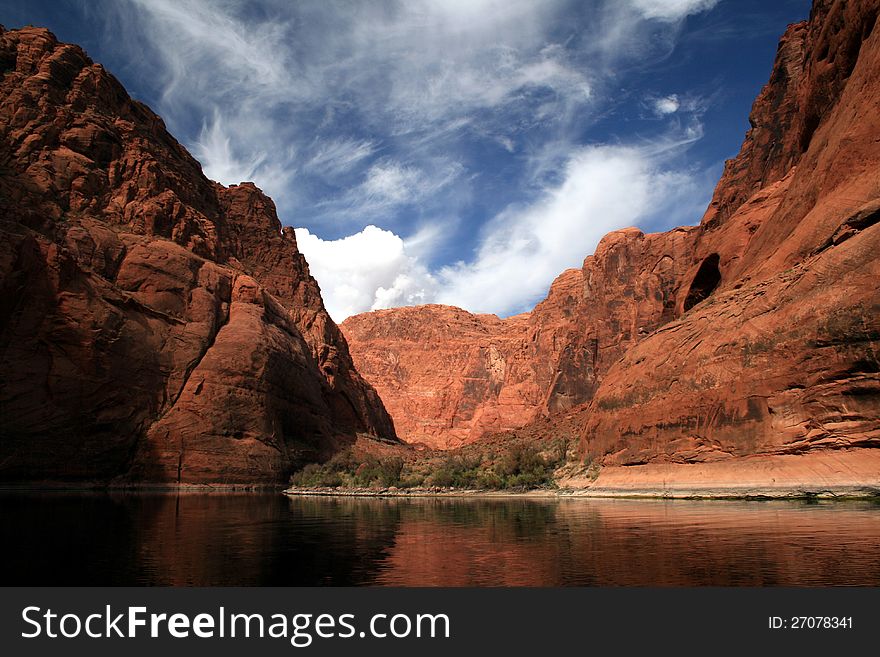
(365, 271)
(523, 249)
(671, 10)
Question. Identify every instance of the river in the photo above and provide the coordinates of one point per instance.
(247, 539)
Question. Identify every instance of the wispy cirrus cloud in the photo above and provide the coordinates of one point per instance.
(671, 10)
(426, 149)
(666, 105)
(401, 74)
(336, 156)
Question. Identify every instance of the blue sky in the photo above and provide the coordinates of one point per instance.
(449, 151)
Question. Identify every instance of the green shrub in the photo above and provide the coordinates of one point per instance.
(316, 476)
(411, 481)
(457, 472)
(490, 481)
(390, 470)
(523, 467)
(443, 477)
(519, 466)
(527, 480)
(344, 462)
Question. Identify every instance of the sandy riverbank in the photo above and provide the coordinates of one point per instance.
(828, 474)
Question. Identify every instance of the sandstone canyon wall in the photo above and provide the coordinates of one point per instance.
(154, 326)
(754, 333)
(782, 357)
(448, 377)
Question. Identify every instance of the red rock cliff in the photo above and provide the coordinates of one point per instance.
(774, 349)
(755, 332)
(446, 376)
(154, 326)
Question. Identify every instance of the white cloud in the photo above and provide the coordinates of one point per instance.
(222, 160)
(393, 183)
(506, 143)
(365, 271)
(524, 249)
(682, 108)
(408, 75)
(671, 10)
(337, 156)
(400, 68)
(521, 250)
(666, 105)
(389, 184)
(354, 113)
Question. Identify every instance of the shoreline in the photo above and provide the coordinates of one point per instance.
(849, 473)
(826, 475)
(838, 493)
(838, 474)
(593, 492)
(98, 487)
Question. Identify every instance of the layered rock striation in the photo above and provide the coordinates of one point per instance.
(154, 326)
(447, 376)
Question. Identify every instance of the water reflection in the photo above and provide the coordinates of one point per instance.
(267, 539)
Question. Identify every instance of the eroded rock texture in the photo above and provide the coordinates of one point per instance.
(755, 332)
(446, 375)
(154, 326)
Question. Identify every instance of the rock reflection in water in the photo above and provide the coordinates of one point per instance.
(636, 543)
(267, 539)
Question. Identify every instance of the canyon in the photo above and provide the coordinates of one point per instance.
(751, 335)
(157, 328)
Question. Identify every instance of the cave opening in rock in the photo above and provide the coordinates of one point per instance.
(707, 279)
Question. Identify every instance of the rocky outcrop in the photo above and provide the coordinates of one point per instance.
(754, 333)
(154, 326)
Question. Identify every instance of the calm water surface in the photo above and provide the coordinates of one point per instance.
(268, 539)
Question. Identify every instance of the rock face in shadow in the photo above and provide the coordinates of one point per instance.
(755, 332)
(154, 326)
